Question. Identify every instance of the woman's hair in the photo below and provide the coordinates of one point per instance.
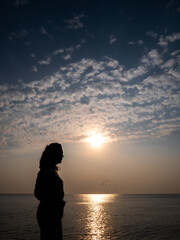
(50, 153)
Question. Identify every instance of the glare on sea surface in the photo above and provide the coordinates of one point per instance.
(99, 198)
(98, 224)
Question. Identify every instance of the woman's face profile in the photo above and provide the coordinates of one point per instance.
(59, 157)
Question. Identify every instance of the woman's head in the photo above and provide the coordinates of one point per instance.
(52, 155)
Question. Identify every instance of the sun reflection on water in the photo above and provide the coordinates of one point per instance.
(98, 219)
(98, 198)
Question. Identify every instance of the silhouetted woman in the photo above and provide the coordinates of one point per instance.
(49, 191)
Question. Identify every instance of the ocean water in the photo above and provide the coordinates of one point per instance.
(96, 217)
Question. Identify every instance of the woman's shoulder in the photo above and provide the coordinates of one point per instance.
(42, 172)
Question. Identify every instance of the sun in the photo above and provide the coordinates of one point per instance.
(96, 140)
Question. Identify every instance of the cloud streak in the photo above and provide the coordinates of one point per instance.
(165, 40)
(46, 61)
(18, 3)
(112, 39)
(66, 54)
(75, 22)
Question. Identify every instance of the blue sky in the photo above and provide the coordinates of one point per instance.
(72, 67)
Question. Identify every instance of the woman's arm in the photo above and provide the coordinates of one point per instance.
(41, 191)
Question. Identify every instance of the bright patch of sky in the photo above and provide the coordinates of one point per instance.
(72, 67)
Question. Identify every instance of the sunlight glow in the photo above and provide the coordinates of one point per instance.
(98, 198)
(96, 140)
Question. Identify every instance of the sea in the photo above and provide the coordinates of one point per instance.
(96, 217)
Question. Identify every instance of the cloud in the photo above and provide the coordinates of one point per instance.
(44, 32)
(114, 63)
(46, 61)
(94, 95)
(169, 3)
(112, 39)
(131, 43)
(169, 64)
(174, 37)
(34, 69)
(66, 53)
(22, 34)
(153, 58)
(152, 34)
(164, 41)
(75, 22)
(58, 51)
(139, 42)
(175, 73)
(18, 3)
(175, 53)
(27, 43)
(33, 55)
(135, 72)
(67, 56)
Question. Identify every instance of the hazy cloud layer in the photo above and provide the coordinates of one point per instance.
(123, 104)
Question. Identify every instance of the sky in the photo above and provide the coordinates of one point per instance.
(71, 70)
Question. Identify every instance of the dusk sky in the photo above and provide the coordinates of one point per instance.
(74, 70)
